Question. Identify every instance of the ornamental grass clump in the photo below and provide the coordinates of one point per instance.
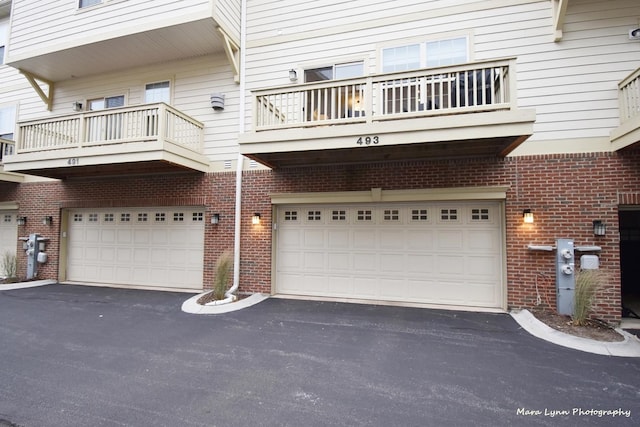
(588, 282)
(223, 274)
(9, 265)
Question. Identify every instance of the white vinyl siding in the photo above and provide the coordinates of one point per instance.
(192, 81)
(61, 23)
(571, 84)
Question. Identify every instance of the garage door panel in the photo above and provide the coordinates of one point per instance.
(363, 262)
(429, 252)
(392, 263)
(137, 246)
(338, 239)
(364, 238)
(339, 261)
(392, 239)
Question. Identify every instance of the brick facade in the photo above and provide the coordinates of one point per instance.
(566, 192)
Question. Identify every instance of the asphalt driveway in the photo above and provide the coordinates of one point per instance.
(86, 356)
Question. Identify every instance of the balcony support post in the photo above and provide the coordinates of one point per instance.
(35, 82)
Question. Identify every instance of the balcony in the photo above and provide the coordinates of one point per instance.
(56, 42)
(447, 112)
(143, 139)
(6, 149)
(627, 135)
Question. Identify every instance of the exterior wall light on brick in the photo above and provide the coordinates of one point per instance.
(22, 220)
(255, 219)
(47, 220)
(599, 228)
(215, 218)
(527, 216)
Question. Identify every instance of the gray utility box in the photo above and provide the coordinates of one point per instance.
(565, 276)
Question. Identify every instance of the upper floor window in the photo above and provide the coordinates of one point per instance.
(157, 92)
(1, 55)
(433, 53)
(334, 72)
(7, 121)
(107, 102)
(87, 3)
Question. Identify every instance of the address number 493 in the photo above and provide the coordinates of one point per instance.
(368, 140)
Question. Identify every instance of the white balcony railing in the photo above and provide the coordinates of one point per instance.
(149, 122)
(6, 148)
(629, 94)
(480, 86)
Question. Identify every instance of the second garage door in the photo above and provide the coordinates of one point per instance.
(435, 253)
(152, 247)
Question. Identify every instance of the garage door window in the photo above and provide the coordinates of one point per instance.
(160, 217)
(480, 214)
(339, 215)
(449, 214)
(314, 216)
(419, 215)
(197, 217)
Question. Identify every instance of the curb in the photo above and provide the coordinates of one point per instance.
(629, 347)
(191, 305)
(23, 285)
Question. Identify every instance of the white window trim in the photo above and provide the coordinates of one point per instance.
(332, 62)
(160, 80)
(422, 40)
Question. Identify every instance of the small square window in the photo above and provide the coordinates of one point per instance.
(449, 214)
(88, 3)
(480, 214)
(419, 215)
(77, 217)
(391, 215)
(7, 218)
(364, 215)
(125, 217)
(197, 217)
(291, 215)
(178, 216)
(339, 215)
(108, 217)
(93, 217)
(160, 216)
(314, 216)
(143, 217)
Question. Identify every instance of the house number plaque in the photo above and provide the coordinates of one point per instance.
(368, 140)
(73, 161)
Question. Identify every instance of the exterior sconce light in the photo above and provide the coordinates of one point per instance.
(215, 218)
(217, 101)
(22, 220)
(527, 216)
(77, 106)
(293, 75)
(47, 220)
(255, 220)
(599, 228)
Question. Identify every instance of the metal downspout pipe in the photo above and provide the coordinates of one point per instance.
(240, 162)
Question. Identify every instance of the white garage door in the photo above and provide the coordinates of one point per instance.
(8, 232)
(436, 253)
(155, 247)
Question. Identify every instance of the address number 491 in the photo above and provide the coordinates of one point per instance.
(368, 140)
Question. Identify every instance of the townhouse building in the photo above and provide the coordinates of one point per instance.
(381, 152)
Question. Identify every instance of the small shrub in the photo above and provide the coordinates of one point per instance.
(587, 284)
(223, 274)
(9, 265)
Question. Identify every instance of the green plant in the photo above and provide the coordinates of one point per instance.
(223, 274)
(588, 282)
(9, 265)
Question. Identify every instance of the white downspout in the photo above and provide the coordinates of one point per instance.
(241, 129)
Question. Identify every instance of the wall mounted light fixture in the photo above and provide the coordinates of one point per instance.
(599, 228)
(527, 216)
(293, 75)
(77, 106)
(47, 220)
(255, 219)
(217, 101)
(215, 218)
(22, 220)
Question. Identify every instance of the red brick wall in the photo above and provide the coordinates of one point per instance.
(565, 192)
